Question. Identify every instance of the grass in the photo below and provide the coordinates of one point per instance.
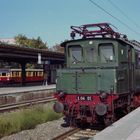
(26, 119)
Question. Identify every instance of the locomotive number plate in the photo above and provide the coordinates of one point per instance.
(84, 98)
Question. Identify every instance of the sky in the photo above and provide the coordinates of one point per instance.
(51, 19)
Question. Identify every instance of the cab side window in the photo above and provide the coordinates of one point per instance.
(137, 59)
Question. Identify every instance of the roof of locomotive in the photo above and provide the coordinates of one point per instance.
(121, 40)
(99, 31)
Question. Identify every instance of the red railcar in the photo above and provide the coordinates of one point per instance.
(9, 76)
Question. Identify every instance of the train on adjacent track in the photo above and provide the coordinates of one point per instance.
(101, 81)
(13, 76)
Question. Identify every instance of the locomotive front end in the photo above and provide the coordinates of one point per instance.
(86, 87)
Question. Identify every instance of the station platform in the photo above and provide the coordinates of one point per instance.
(10, 90)
(127, 128)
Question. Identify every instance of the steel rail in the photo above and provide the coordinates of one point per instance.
(67, 134)
(77, 133)
(9, 107)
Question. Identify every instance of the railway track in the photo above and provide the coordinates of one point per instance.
(13, 106)
(77, 134)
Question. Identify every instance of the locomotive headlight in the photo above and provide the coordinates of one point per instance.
(101, 109)
(58, 107)
(103, 96)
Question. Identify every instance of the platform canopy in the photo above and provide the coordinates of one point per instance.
(18, 54)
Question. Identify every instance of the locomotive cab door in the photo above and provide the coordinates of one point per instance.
(130, 69)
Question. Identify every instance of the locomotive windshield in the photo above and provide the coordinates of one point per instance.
(75, 54)
(106, 53)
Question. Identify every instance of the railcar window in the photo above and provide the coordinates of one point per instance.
(106, 53)
(8, 74)
(75, 54)
(35, 73)
(3, 74)
(32, 73)
(17, 73)
(40, 73)
(28, 74)
(90, 55)
(13, 74)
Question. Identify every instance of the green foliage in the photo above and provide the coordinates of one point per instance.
(52, 115)
(32, 43)
(9, 124)
(57, 48)
(26, 119)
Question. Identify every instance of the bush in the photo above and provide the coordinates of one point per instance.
(9, 124)
(26, 119)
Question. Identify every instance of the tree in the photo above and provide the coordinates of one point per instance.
(57, 48)
(32, 43)
(21, 40)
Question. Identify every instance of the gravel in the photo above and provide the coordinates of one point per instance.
(46, 131)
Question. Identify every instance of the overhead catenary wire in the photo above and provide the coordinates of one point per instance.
(123, 13)
(131, 29)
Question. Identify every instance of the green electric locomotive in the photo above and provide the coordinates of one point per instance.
(101, 81)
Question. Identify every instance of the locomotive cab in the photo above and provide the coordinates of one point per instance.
(91, 66)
